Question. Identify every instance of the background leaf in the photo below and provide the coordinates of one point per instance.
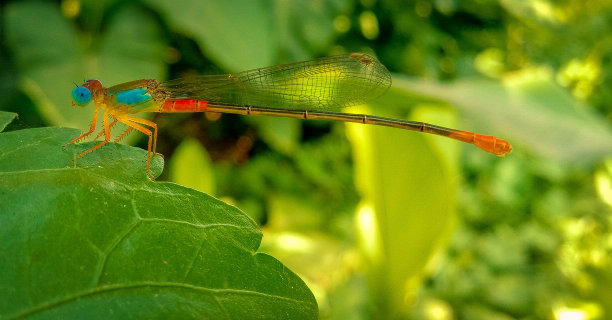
(246, 27)
(408, 209)
(96, 239)
(191, 167)
(529, 111)
(6, 118)
(282, 134)
(53, 57)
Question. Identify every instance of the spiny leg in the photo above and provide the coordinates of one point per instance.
(115, 120)
(150, 124)
(110, 126)
(124, 134)
(127, 120)
(92, 127)
(107, 136)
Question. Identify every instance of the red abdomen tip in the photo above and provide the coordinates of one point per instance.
(492, 144)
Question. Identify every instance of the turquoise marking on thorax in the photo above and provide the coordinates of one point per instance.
(133, 96)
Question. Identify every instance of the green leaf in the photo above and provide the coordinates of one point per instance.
(95, 238)
(409, 203)
(6, 118)
(304, 27)
(46, 50)
(191, 167)
(131, 48)
(51, 57)
(529, 111)
(236, 34)
(282, 134)
(244, 34)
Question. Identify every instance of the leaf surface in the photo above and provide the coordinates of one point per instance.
(95, 238)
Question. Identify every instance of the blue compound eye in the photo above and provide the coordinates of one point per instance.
(81, 95)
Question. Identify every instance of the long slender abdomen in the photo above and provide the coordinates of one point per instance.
(192, 105)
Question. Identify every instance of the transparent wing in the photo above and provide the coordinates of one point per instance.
(321, 84)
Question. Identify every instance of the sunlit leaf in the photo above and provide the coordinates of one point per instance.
(191, 167)
(410, 189)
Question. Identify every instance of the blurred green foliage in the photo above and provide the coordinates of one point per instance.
(385, 224)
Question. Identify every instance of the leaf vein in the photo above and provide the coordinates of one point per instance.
(102, 264)
(32, 144)
(137, 285)
(196, 225)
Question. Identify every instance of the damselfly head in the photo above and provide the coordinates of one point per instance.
(81, 95)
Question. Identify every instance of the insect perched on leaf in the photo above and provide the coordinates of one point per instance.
(312, 89)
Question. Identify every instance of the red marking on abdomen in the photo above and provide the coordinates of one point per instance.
(184, 106)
